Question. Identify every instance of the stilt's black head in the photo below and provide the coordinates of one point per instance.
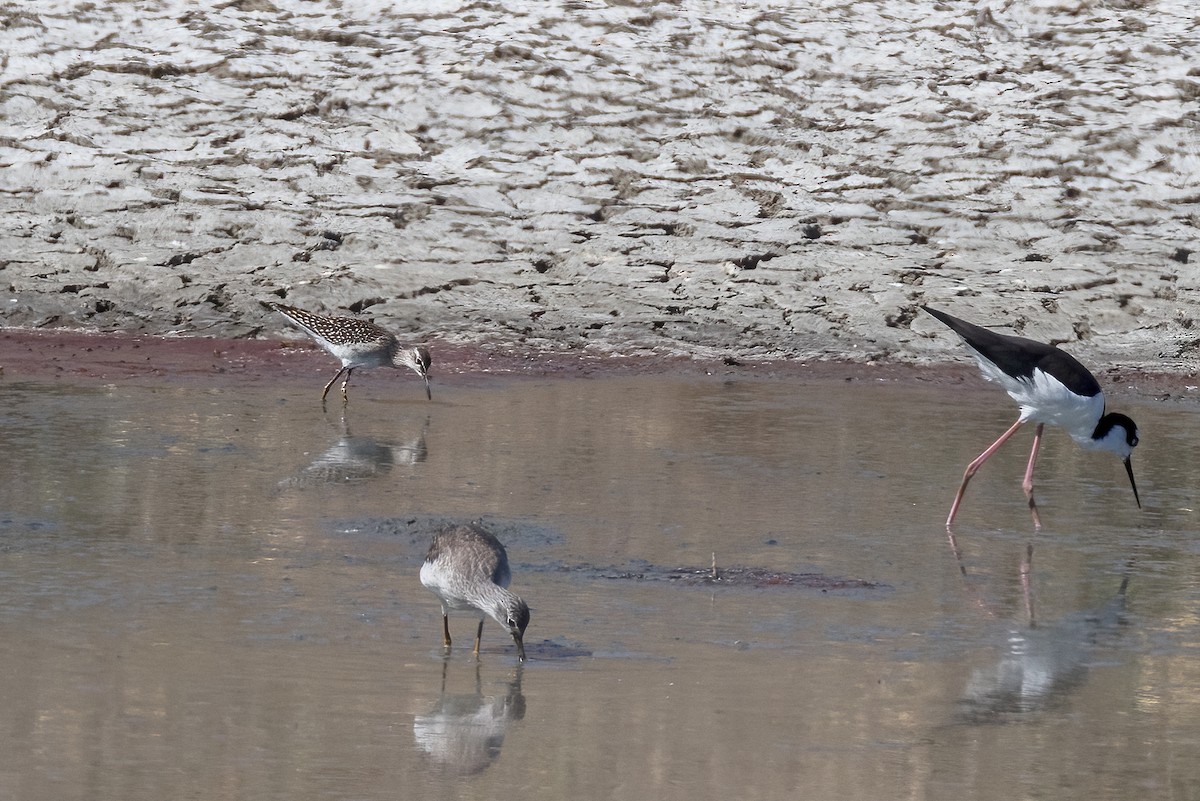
(1119, 434)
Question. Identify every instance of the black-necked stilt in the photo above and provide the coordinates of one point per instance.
(358, 343)
(468, 569)
(1051, 387)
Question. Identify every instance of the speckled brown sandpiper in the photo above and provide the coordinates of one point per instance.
(357, 343)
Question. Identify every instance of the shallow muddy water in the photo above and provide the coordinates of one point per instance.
(212, 593)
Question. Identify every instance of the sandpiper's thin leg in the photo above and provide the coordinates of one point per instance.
(445, 629)
(975, 465)
(1027, 484)
(346, 383)
(478, 637)
(332, 381)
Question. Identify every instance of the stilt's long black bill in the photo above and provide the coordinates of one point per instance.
(428, 391)
(1132, 483)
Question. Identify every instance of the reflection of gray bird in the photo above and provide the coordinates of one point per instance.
(468, 569)
(358, 343)
(463, 733)
(1041, 664)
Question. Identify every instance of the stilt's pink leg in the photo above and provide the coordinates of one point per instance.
(1027, 484)
(975, 465)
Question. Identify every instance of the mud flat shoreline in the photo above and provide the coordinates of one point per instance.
(709, 181)
(89, 359)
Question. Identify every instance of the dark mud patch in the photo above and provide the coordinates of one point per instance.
(526, 537)
(417, 530)
(742, 577)
(548, 650)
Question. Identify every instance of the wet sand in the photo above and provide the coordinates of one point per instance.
(89, 358)
(711, 181)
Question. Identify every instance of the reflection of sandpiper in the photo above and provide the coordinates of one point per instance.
(1051, 387)
(463, 734)
(468, 569)
(356, 458)
(358, 343)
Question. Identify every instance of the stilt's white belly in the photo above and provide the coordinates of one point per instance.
(1044, 399)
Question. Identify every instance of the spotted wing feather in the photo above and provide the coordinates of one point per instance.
(335, 330)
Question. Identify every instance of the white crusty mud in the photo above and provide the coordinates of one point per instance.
(750, 179)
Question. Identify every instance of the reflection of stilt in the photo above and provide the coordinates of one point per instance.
(1025, 572)
(1041, 665)
(962, 572)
